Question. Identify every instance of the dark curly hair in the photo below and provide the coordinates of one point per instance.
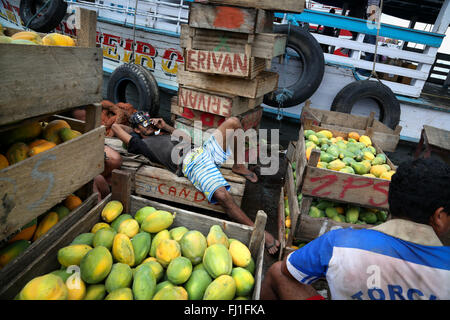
(418, 188)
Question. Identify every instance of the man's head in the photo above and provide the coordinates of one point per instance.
(140, 122)
(420, 192)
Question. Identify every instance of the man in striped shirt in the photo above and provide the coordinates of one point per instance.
(401, 259)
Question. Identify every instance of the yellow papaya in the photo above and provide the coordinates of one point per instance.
(24, 133)
(17, 152)
(46, 287)
(244, 281)
(76, 288)
(387, 175)
(96, 265)
(171, 293)
(95, 292)
(166, 251)
(3, 162)
(72, 202)
(353, 135)
(378, 170)
(193, 245)
(155, 266)
(67, 134)
(51, 131)
(366, 140)
(122, 249)
(129, 227)
(27, 35)
(36, 142)
(240, 254)
(46, 224)
(26, 233)
(179, 270)
(112, 210)
(120, 294)
(216, 235)
(41, 148)
(12, 250)
(57, 39)
(72, 254)
(222, 288)
(157, 221)
(326, 133)
(217, 260)
(99, 225)
(160, 236)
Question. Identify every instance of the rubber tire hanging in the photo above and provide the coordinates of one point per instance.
(369, 89)
(49, 19)
(143, 79)
(309, 50)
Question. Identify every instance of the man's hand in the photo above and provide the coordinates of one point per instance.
(159, 123)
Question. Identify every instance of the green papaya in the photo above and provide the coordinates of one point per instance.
(314, 212)
(334, 151)
(120, 276)
(144, 284)
(331, 212)
(352, 215)
(323, 204)
(326, 157)
(141, 246)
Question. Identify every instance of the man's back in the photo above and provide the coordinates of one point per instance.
(378, 263)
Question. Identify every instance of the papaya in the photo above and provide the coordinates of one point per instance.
(122, 249)
(352, 215)
(120, 294)
(46, 287)
(162, 235)
(216, 235)
(314, 138)
(240, 254)
(62, 273)
(369, 217)
(369, 175)
(331, 212)
(104, 237)
(72, 202)
(367, 155)
(117, 221)
(141, 246)
(171, 293)
(36, 143)
(157, 269)
(57, 39)
(378, 160)
(27, 35)
(129, 227)
(378, 170)
(62, 212)
(347, 169)
(217, 260)
(119, 277)
(143, 213)
(96, 265)
(360, 168)
(24, 133)
(381, 215)
(326, 157)
(111, 211)
(162, 285)
(157, 221)
(323, 204)
(366, 140)
(307, 133)
(314, 212)
(76, 288)
(336, 165)
(17, 152)
(3, 162)
(67, 134)
(99, 226)
(328, 134)
(41, 148)
(12, 250)
(179, 270)
(197, 284)
(251, 267)
(26, 232)
(149, 259)
(51, 131)
(221, 288)
(144, 284)
(166, 251)
(72, 254)
(199, 266)
(193, 245)
(334, 151)
(348, 161)
(22, 41)
(95, 292)
(338, 218)
(354, 135)
(177, 233)
(5, 39)
(387, 175)
(46, 224)
(244, 281)
(241, 298)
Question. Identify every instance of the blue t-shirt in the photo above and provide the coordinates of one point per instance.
(371, 265)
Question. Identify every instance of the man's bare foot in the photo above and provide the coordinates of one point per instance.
(240, 169)
(272, 245)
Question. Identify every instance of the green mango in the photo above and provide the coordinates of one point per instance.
(326, 157)
(314, 212)
(331, 212)
(351, 215)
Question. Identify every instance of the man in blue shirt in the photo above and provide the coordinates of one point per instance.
(401, 259)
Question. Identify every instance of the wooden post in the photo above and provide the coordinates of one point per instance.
(121, 188)
(86, 26)
(93, 117)
(258, 233)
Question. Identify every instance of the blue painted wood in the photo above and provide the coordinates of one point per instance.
(362, 26)
(147, 29)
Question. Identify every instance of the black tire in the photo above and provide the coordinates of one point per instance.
(368, 89)
(50, 17)
(144, 81)
(312, 62)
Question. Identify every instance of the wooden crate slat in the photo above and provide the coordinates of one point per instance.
(234, 19)
(57, 79)
(278, 5)
(264, 45)
(263, 83)
(34, 185)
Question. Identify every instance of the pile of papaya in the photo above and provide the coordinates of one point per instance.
(31, 139)
(355, 155)
(36, 228)
(348, 213)
(287, 213)
(145, 258)
(33, 38)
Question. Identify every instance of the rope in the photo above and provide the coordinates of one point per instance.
(134, 34)
(37, 13)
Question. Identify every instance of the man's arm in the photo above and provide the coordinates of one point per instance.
(122, 132)
(161, 124)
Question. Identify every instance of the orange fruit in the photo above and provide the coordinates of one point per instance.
(353, 135)
(72, 202)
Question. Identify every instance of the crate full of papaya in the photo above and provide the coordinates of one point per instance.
(152, 252)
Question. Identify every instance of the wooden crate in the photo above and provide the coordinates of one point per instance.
(278, 5)
(338, 186)
(250, 119)
(46, 261)
(264, 45)
(263, 83)
(384, 137)
(15, 267)
(227, 18)
(221, 104)
(159, 183)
